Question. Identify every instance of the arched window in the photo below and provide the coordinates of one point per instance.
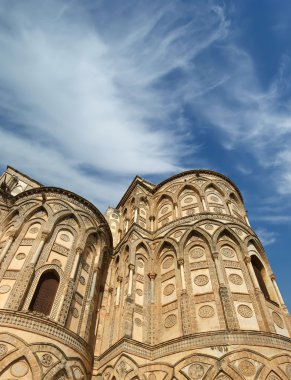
(45, 293)
(260, 272)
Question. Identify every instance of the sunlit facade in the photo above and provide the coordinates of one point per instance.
(172, 284)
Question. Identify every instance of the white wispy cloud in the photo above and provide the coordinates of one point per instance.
(92, 93)
(266, 237)
(82, 88)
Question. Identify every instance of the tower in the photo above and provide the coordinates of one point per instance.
(172, 284)
(54, 255)
(190, 293)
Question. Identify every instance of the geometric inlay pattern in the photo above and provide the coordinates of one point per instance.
(201, 280)
(245, 311)
(171, 320)
(278, 320)
(247, 368)
(206, 311)
(196, 371)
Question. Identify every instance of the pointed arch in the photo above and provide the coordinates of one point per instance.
(213, 186)
(67, 217)
(189, 201)
(195, 247)
(142, 250)
(197, 233)
(165, 210)
(226, 232)
(166, 246)
(263, 278)
(215, 199)
(45, 293)
(11, 219)
(258, 249)
(35, 210)
(189, 187)
(144, 209)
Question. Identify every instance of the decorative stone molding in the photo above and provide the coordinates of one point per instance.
(44, 327)
(247, 368)
(46, 360)
(169, 289)
(201, 280)
(235, 279)
(206, 311)
(245, 311)
(170, 321)
(3, 350)
(278, 320)
(196, 371)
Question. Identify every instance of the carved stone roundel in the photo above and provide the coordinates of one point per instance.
(169, 289)
(278, 320)
(235, 279)
(196, 252)
(139, 292)
(227, 252)
(206, 311)
(188, 200)
(20, 256)
(3, 349)
(171, 320)
(218, 210)
(168, 262)
(64, 237)
(75, 312)
(213, 198)
(247, 368)
(82, 280)
(46, 360)
(4, 289)
(34, 230)
(138, 321)
(201, 280)
(140, 263)
(209, 227)
(19, 369)
(196, 371)
(245, 311)
(164, 210)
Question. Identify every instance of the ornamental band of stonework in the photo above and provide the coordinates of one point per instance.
(171, 284)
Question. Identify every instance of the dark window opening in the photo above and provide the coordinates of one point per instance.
(45, 293)
(258, 269)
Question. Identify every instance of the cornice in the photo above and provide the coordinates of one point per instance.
(199, 171)
(24, 175)
(136, 181)
(44, 326)
(143, 182)
(192, 342)
(70, 195)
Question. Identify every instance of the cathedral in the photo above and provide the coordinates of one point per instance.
(171, 284)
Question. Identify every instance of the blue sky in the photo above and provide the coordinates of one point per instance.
(94, 92)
